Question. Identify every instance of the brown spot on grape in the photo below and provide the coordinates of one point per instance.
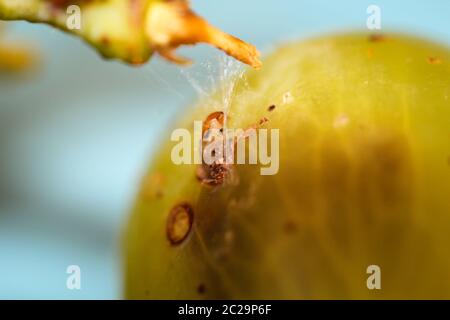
(179, 223)
(434, 60)
(201, 289)
(290, 227)
(271, 108)
(377, 38)
(263, 121)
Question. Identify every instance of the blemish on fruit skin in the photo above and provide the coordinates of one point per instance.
(179, 223)
(290, 227)
(434, 60)
(377, 38)
(271, 108)
(263, 121)
(250, 129)
(201, 289)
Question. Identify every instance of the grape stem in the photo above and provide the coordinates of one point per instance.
(170, 24)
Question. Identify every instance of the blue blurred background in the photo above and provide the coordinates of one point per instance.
(77, 134)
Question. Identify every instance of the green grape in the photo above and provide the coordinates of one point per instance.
(364, 179)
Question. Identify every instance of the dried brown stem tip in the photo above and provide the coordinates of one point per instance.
(172, 23)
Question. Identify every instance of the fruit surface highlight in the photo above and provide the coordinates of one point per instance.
(364, 179)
